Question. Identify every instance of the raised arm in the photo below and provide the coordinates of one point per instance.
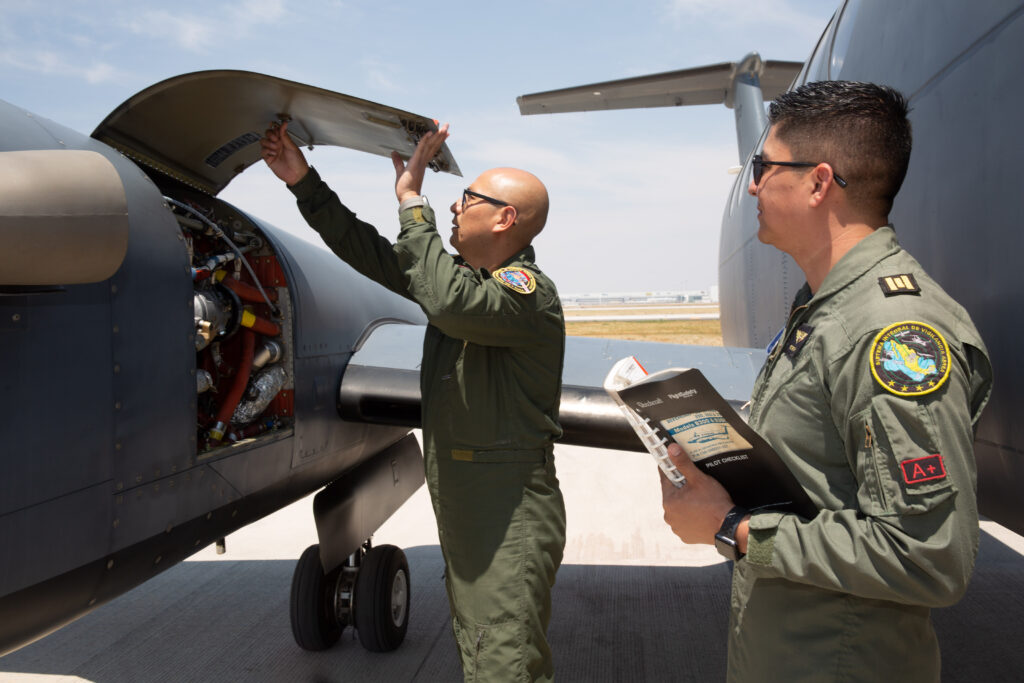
(283, 156)
(409, 176)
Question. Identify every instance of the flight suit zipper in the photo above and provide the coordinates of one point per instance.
(869, 448)
(774, 358)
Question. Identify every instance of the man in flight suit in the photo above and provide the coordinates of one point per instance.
(870, 394)
(491, 384)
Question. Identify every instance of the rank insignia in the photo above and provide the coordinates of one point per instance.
(923, 469)
(797, 340)
(910, 359)
(516, 279)
(898, 284)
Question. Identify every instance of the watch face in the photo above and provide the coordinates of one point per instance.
(726, 547)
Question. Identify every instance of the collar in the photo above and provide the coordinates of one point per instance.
(526, 255)
(864, 256)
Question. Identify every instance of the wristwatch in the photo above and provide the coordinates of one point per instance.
(725, 539)
(418, 200)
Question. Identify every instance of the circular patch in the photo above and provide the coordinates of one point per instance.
(910, 359)
(516, 279)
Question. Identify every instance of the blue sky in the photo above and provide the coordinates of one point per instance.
(637, 196)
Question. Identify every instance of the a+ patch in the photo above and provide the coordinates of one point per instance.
(924, 469)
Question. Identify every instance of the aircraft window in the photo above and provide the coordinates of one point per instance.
(802, 76)
(739, 188)
(844, 28)
(816, 68)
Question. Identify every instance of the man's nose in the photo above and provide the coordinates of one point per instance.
(752, 188)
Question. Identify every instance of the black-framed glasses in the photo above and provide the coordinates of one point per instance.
(758, 164)
(467, 193)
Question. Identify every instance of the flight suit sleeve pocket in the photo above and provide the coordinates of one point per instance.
(903, 457)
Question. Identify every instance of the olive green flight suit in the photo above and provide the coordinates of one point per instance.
(846, 596)
(491, 384)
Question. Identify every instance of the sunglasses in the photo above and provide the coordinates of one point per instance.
(467, 193)
(758, 164)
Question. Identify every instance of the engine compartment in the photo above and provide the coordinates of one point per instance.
(243, 325)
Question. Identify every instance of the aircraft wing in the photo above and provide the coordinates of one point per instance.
(203, 128)
(381, 383)
(702, 85)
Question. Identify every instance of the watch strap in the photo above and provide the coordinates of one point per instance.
(725, 539)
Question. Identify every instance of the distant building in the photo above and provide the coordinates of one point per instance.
(707, 296)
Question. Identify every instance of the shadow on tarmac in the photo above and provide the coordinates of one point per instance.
(228, 621)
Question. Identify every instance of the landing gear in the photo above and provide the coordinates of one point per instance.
(315, 623)
(370, 591)
(382, 599)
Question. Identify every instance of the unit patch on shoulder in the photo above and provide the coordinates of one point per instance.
(898, 284)
(910, 359)
(516, 279)
(923, 469)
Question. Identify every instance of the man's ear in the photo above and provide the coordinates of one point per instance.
(824, 182)
(507, 218)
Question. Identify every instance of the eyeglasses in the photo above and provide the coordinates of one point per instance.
(758, 164)
(467, 193)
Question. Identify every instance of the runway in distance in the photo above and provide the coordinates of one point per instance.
(959, 212)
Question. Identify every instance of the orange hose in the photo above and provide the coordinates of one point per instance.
(244, 290)
(227, 409)
(261, 325)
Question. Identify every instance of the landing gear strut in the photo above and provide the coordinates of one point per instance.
(369, 591)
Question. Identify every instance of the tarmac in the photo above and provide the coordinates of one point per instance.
(632, 603)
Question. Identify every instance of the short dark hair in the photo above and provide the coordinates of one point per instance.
(861, 129)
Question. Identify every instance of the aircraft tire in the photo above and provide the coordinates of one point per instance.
(381, 606)
(314, 623)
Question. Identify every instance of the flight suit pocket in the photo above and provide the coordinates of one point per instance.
(901, 467)
(477, 415)
(490, 652)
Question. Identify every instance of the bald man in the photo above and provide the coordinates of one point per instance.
(491, 382)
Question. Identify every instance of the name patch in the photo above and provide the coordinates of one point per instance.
(516, 279)
(919, 470)
(910, 359)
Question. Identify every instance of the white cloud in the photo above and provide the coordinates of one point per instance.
(259, 11)
(696, 6)
(100, 73)
(191, 32)
(202, 33)
(775, 15)
(379, 74)
(53, 63)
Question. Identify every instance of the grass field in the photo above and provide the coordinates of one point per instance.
(702, 332)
